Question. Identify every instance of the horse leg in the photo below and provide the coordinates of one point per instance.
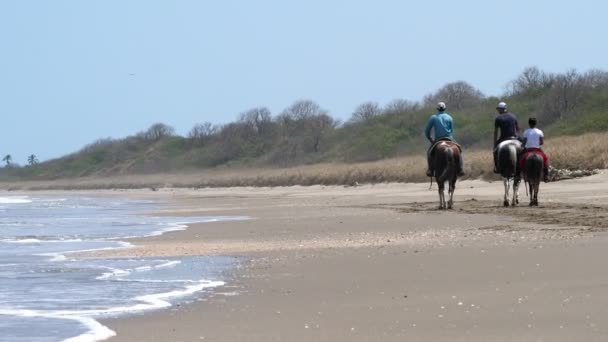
(506, 199)
(531, 188)
(451, 192)
(440, 188)
(515, 191)
(536, 188)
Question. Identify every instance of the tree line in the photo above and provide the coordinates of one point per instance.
(8, 160)
(304, 132)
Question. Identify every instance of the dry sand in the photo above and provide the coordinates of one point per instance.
(380, 263)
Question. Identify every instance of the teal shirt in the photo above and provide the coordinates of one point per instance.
(442, 123)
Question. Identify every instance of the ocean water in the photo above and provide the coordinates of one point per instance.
(48, 295)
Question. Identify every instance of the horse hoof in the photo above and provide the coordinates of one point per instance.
(506, 203)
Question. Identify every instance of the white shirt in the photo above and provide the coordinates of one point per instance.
(533, 136)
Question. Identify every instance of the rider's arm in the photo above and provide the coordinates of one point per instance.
(542, 140)
(496, 125)
(427, 130)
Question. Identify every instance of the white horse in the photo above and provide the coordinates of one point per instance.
(507, 166)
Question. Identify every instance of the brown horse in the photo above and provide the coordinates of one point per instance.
(533, 174)
(446, 158)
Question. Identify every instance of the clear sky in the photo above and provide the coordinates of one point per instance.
(75, 71)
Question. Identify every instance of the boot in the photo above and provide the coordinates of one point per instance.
(429, 164)
(546, 174)
(460, 167)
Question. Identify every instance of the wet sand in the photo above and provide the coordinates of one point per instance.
(380, 263)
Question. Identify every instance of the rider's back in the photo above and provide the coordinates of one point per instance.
(507, 122)
(442, 123)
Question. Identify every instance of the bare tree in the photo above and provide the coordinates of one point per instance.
(596, 79)
(303, 109)
(320, 126)
(201, 133)
(401, 106)
(565, 95)
(457, 95)
(303, 126)
(231, 142)
(257, 118)
(365, 112)
(158, 131)
(531, 79)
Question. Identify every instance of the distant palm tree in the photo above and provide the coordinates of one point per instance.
(32, 160)
(7, 159)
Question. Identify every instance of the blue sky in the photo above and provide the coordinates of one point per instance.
(76, 71)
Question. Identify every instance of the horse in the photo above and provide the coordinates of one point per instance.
(446, 158)
(533, 174)
(507, 166)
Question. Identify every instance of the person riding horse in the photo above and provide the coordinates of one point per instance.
(533, 139)
(441, 123)
(509, 129)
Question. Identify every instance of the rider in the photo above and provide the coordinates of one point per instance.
(533, 139)
(509, 128)
(441, 122)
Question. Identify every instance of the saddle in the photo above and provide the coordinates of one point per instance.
(530, 151)
(432, 149)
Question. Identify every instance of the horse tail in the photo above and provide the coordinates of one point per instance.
(450, 163)
(507, 159)
(533, 168)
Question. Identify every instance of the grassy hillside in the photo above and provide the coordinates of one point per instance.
(567, 104)
(588, 150)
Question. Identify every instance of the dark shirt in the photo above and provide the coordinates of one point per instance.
(507, 122)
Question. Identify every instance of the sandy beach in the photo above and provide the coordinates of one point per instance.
(380, 263)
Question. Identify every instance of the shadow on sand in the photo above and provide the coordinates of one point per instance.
(584, 217)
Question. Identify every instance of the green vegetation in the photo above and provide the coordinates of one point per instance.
(571, 103)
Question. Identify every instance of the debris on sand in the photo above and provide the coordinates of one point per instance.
(561, 174)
